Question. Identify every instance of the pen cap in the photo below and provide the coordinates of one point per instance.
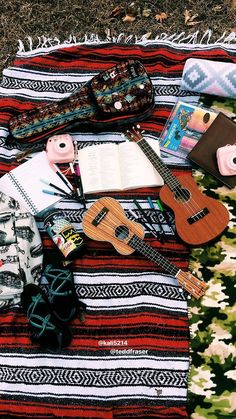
(77, 170)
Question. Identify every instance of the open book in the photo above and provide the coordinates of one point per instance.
(115, 167)
(24, 183)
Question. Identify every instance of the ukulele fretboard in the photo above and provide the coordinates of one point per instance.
(162, 169)
(190, 283)
(138, 244)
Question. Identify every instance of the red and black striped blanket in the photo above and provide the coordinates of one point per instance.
(130, 358)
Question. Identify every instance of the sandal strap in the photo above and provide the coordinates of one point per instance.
(56, 289)
(59, 280)
(62, 285)
(42, 323)
(54, 272)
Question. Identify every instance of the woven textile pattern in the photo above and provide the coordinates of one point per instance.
(130, 358)
(212, 77)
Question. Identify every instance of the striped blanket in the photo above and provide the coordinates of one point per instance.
(130, 358)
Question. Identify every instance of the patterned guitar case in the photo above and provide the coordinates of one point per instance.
(116, 97)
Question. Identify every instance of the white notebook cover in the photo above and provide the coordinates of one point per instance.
(24, 183)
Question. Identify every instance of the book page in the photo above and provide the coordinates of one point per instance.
(99, 167)
(136, 169)
(24, 183)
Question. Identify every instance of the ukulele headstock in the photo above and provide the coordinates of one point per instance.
(134, 134)
(191, 284)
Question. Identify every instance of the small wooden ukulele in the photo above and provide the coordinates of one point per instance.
(105, 220)
(198, 218)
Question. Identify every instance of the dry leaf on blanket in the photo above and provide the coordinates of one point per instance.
(216, 8)
(189, 20)
(146, 12)
(161, 16)
(147, 35)
(193, 23)
(116, 11)
(186, 16)
(128, 18)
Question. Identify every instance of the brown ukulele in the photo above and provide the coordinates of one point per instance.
(105, 220)
(198, 218)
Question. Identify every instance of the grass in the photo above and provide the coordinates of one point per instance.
(21, 19)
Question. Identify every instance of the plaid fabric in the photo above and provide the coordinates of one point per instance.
(130, 358)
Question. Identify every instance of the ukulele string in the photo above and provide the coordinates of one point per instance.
(183, 194)
(93, 212)
(109, 229)
(192, 206)
(192, 287)
(199, 285)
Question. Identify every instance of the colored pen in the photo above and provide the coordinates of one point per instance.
(151, 205)
(62, 177)
(80, 181)
(76, 161)
(149, 222)
(147, 226)
(157, 215)
(133, 213)
(75, 177)
(159, 204)
(77, 169)
(79, 189)
(55, 187)
(54, 193)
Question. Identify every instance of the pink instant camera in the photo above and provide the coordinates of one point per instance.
(60, 149)
(226, 160)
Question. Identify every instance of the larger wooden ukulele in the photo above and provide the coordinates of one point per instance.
(105, 220)
(198, 218)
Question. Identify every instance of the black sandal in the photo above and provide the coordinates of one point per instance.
(45, 329)
(62, 294)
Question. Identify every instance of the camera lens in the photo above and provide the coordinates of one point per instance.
(234, 160)
(62, 145)
(206, 117)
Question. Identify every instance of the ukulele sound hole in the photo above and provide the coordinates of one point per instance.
(121, 232)
(182, 195)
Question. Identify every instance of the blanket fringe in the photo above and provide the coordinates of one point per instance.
(45, 42)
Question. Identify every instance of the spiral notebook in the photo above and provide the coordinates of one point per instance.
(24, 183)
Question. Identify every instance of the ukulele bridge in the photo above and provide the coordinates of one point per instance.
(198, 216)
(99, 217)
